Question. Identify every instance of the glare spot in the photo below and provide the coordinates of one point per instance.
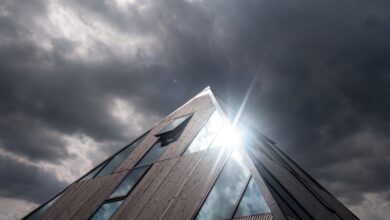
(228, 137)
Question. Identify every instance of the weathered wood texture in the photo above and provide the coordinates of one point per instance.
(194, 105)
(144, 189)
(189, 133)
(267, 216)
(190, 197)
(141, 149)
(157, 204)
(82, 199)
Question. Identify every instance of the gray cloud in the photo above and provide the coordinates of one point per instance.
(106, 71)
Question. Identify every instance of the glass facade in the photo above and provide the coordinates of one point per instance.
(227, 190)
(129, 182)
(152, 155)
(252, 202)
(289, 204)
(174, 124)
(106, 210)
(207, 134)
(118, 158)
(91, 174)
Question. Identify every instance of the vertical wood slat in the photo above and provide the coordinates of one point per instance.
(266, 216)
(190, 197)
(77, 200)
(137, 154)
(97, 198)
(64, 200)
(133, 204)
(141, 149)
(196, 104)
(156, 204)
(190, 131)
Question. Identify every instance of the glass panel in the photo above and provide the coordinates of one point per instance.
(37, 213)
(106, 210)
(129, 182)
(152, 155)
(207, 134)
(281, 191)
(223, 197)
(92, 173)
(174, 124)
(118, 158)
(252, 203)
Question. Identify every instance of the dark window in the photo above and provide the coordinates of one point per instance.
(119, 157)
(172, 132)
(174, 124)
(252, 202)
(206, 135)
(152, 155)
(227, 190)
(129, 182)
(106, 210)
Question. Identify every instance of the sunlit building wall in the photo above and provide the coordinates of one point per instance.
(195, 165)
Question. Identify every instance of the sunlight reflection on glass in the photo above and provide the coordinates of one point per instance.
(228, 138)
(206, 134)
(226, 192)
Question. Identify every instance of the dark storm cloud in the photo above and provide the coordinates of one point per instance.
(19, 180)
(322, 75)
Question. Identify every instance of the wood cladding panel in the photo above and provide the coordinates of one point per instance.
(267, 216)
(194, 191)
(194, 105)
(141, 149)
(81, 200)
(189, 133)
(109, 183)
(157, 204)
(64, 200)
(144, 190)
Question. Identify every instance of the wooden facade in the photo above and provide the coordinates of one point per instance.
(177, 184)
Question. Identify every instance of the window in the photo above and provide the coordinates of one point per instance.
(252, 202)
(111, 164)
(129, 182)
(152, 155)
(166, 136)
(172, 132)
(119, 157)
(106, 210)
(227, 190)
(287, 203)
(92, 173)
(36, 214)
(206, 135)
(174, 124)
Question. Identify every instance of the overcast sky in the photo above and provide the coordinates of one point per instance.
(79, 79)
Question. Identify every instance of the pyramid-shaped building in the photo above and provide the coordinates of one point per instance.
(195, 164)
